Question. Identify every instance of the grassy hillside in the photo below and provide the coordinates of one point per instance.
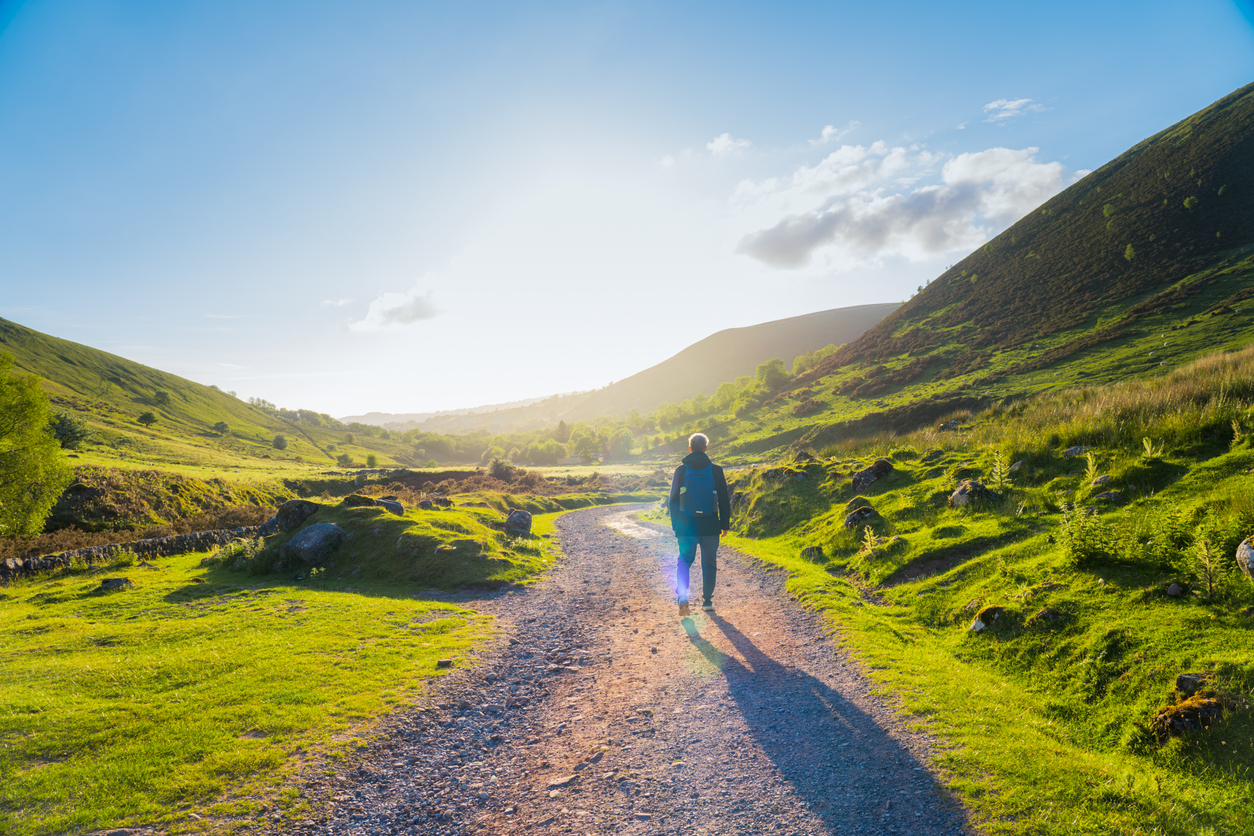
(110, 393)
(1142, 266)
(1048, 714)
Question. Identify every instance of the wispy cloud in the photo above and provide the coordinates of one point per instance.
(335, 303)
(832, 134)
(865, 214)
(726, 144)
(1004, 109)
(392, 310)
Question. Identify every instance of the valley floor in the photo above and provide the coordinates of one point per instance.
(600, 711)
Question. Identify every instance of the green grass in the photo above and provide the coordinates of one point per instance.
(1043, 724)
(198, 687)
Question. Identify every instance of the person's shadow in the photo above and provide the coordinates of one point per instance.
(847, 769)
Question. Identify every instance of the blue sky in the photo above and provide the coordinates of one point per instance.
(408, 206)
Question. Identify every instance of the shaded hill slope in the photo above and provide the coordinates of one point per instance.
(1151, 216)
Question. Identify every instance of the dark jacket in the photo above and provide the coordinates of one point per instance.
(686, 526)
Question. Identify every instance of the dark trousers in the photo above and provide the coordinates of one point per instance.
(709, 564)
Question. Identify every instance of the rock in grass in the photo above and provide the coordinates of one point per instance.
(1174, 591)
(861, 516)
(1191, 715)
(313, 544)
(986, 618)
(356, 500)
(1102, 480)
(1045, 616)
(970, 492)
(1245, 557)
(293, 513)
(518, 522)
(813, 553)
(865, 478)
(116, 584)
(1113, 497)
(1017, 466)
(444, 663)
(391, 505)
(856, 503)
(1078, 450)
(1190, 683)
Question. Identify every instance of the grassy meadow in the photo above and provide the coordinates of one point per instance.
(1044, 717)
(190, 701)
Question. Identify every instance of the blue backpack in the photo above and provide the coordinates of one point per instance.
(700, 496)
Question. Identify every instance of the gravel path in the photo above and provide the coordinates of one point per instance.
(602, 712)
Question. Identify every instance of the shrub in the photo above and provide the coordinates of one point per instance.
(162, 397)
(147, 419)
(344, 459)
(1190, 202)
(372, 460)
(250, 556)
(32, 470)
(279, 443)
(1129, 253)
(70, 430)
(222, 428)
(1085, 537)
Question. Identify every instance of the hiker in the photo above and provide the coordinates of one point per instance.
(700, 514)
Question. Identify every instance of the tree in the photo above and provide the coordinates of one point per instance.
(772, 373)
(1129, 253)
(372, 460)
(33, 472)
(222, 428)
(162, 397)
(279, 443)
(562, 433)
(349, 438)
(344, 459)
(147, 419)
(70, 430)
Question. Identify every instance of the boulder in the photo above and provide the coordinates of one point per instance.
(861, 516)
(1078, 450)
(1102, 480)
(116, 584)
(986, 618)
(1109, 496)
(313, 544)
(1245, 557)
(356, 500)
(1191, 715)
(865, 478)
(968, 493)
(293, 513)
(426, 504)
(518, 522)
(813, 553)
(803, 458)
(268, 527)
(392, 505)
(442, 501)
(1190, 683)
(856, 503)
(1017, 466)
(1174, 591)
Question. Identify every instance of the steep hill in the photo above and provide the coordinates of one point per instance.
(1158, 212)
(1144, 265)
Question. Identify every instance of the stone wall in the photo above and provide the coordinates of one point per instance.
(16, 567)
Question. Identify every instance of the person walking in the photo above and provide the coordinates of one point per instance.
(700, 514)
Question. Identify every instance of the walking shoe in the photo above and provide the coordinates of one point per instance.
(708, 606)
(683, 608)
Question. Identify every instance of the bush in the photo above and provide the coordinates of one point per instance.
(147, 419)
(1085, 537)
(222, 428)
(249, 556)
(70, 430)
(344, 459)
(372, 460)
(33, 473)
(279, 443)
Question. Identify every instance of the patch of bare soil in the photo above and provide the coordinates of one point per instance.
(601, 711)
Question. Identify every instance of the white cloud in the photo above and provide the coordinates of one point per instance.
(725, 144)
(336, 303)
(865, 214)
(667, 161)
(1003, 109)
(831, 134)
(396, 310)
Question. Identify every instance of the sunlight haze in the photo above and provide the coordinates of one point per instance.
(405, 206)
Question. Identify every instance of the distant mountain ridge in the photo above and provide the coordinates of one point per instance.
(699, 368)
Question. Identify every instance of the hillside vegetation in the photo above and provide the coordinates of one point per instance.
(1040, 630)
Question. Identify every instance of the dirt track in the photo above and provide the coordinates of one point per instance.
(602, 712)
